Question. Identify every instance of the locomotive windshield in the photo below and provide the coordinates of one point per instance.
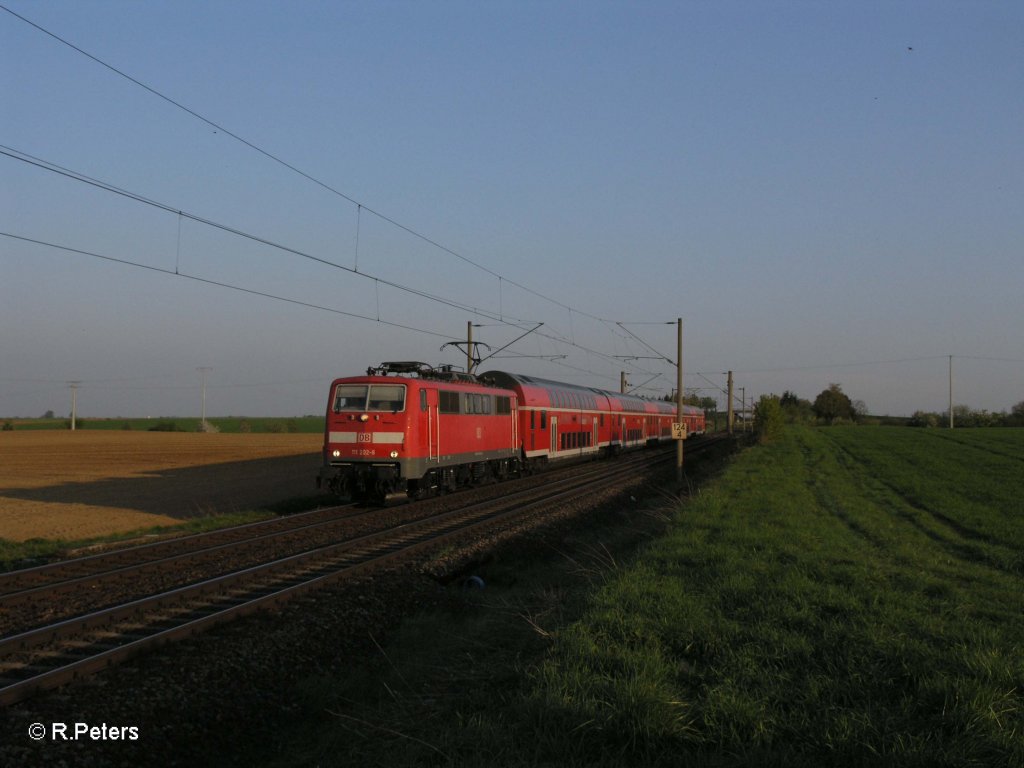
(373, 397)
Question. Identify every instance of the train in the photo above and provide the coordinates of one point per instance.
(406, 427)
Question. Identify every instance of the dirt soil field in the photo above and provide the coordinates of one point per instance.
(74, 485)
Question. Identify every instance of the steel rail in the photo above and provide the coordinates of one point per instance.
(269, 584)
(22, 586)
(75, 625)
(27, 580)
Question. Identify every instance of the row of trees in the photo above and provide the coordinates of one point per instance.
(833, 406)
(964, 416)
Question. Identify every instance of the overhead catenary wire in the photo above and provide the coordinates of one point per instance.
(987, 359)
(134, 382)
(220, 284)
(108, 187)
(49, 166)
(843, 365)
(309, 177)
(263, 294)
(571, 340)
(660, 355)
(501, 278)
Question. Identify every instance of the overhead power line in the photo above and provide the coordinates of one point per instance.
(660, 355)
(108, 187)
(309, 177)
(49, 166)
(989, 359)
(263, 294)
(842, 365)
(220, 284)
(501, 317)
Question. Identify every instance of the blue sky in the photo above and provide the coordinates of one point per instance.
(824, 192)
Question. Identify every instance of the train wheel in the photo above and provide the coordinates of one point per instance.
(423, 488)
(378, 494)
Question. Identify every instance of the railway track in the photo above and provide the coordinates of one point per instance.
(56, 653)
(61, 590)
(24, 585)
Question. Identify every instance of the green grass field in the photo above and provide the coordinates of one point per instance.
(849, 596)
(845, 596)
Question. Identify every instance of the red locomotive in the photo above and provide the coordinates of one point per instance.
(405, 427)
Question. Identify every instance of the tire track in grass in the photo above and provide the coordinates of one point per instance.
(842, 486)
(948, 534)
(799, 622)
(961, 439)
(979, 482)
(829, 503)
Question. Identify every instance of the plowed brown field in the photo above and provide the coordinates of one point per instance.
(73, 485)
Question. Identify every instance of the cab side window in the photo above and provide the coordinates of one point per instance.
(448, 402)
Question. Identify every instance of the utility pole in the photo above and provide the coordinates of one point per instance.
(469, 346)
(74, 402)
(202, 370)
(743, 406)
(622, 382)
(679, 396)
(950, 391)
(728, 411)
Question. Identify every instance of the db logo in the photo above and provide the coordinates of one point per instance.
(364, 437)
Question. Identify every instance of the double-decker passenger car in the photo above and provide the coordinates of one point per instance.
(559, 421)
(405, 427)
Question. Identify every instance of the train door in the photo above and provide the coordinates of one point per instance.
(554, 434)
(430, 423)
(514, 412)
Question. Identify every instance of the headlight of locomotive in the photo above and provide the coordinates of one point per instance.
(394, 454)
(336, 453)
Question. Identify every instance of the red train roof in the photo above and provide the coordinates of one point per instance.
(532, 387)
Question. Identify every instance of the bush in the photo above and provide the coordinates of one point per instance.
(796, 410)
(768, 419)
(924, 419)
